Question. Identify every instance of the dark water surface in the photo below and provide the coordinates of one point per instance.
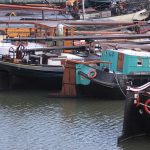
(29, 120)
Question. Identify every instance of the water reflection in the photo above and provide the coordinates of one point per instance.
(31, 120)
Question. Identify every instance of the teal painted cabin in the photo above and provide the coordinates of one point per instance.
(126, 61)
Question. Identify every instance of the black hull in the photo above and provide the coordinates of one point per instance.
(136, 119)
(101, 91)
(111, 85)
(32, 76)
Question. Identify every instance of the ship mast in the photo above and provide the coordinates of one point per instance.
(83, 9)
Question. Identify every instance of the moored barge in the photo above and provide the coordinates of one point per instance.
(136, 112)
(110, 76)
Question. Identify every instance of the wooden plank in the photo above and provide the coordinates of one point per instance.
(66, 78)
(72, 75)
(120, 61)
(89, 62)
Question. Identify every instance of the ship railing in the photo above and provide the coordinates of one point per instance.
(138, 89)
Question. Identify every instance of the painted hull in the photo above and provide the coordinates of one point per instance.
(136, 119)
(96, 90)
(111, 85)
(45, 76)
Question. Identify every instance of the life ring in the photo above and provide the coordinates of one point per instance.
(146, 108)
(92, 74)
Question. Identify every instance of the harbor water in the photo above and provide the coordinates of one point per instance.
(30, 120)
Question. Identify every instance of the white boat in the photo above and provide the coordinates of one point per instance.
(127, 18)
(137, 16)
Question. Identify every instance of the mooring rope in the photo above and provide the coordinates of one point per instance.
(118, 84)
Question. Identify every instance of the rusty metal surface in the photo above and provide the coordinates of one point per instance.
(109, 37)
(42, 24)
(144, 47)
(56, 48)
(100, 32)
(122, 27)
(100, 22)
(33, 8)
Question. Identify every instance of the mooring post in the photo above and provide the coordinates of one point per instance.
(43, 16)
(69, 81)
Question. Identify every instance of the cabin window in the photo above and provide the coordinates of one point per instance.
(139, 62)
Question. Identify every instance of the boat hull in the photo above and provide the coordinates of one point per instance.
(35, 75)
(136, 119)
(111, 85)
(101, 91)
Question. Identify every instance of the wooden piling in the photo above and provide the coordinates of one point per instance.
(69, 81)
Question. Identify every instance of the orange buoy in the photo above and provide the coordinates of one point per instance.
(92, 74)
